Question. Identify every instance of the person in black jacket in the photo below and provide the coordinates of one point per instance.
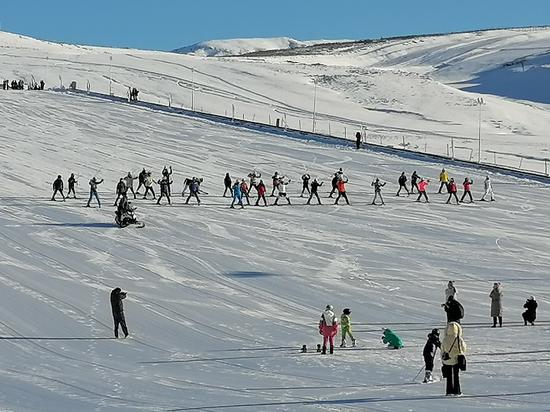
(166, 173)
(531, 313)
(118, 311)
(164, 183)
(71, 182)
(305, 183)
(402, 184)
(58, 187)
(228, 185)
(429, 353)
(414, 182)
(358, 140)
(314, 191)
(141, 179)
(334, 182)
(455, 311)
(120, 190)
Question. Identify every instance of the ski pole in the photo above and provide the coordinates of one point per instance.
(419, 372)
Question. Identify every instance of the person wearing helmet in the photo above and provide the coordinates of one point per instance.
(345, 321)
(422, 187)
(430, 348)
(275, 179)
(328, 327)
(141, 180)
(531, 313)
(315, 185)
(58, 187)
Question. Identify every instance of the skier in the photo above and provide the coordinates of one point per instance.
(120, 190)
(341, 186)
(261, 193)
(93, 190)
(227, 184)
(305, 184)
(315, 191)
(430, 349)
(166, 173)
(422, 187)
(452, 348)
(414, 182)
(194, 190)
(443, 179)
(244, 191)
(378, 191)
(328, 327)
(392, 339)
(141, 180)
(454, 309)
(275, 179)
(530, 315)
(450, 290)
(71, 182)
(488, 189)
(117, 308)
(496, 304)
(467, 184)
(402, 184)
(254, 176)
(165, 183)
(345, 321)
(358, 140)
(282, 190)
(334, 182)
(148, 183)
(451, 187)
(186, 183)
(129, 181)
(58, 187)
(237, 195)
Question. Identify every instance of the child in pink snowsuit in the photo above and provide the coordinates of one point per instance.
(328, 327)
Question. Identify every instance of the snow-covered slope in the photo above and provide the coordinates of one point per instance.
(235, 47)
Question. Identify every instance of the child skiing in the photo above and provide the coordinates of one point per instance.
(422, 187)
(314, 191)
(93, 191)
(261, 193)
(71, 183)
(467, 184)
(328, 327)
(414, 182)
(244, 191)
(451, 187)
(345, 321)
(129, 181)
(164, 183)
(402, 184)
(282, 190)
(392, 339)
(227, 183)
(341, 186)
(429, 353)
(148, 183)
(120, 190)
(443, 179)
(194, 190)
(237, 195)
(58, 187)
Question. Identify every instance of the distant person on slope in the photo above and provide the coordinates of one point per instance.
(328, 327)
(166, 173)
(129, 181)
(530, 315)
(377, 191)
(414, 182)
(141, 180)
(392, 339)
(454, 310)
(227, 183)
(58, 187)
(164, 183)
(305, 184)
(117, 308)
(358, 140)
(261, 193)
(93, 191)
(315, 185)
(430, 349)
(194, 190)
(450, 290)
(422, 187)
(254, 176)
(335, 179)
(120, 190)
(488, 189)
(275, 180)
(237, 195)
(451, 187)
(496, 304)
(71, 183)
(402, 184)
(341, 186)
(452, 351)
(443, 179)
(282, 190)
(148, 183)
(467, 184)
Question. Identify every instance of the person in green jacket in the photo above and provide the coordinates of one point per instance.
(345, 324)
(393, 340)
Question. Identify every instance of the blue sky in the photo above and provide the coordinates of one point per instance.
(166, 25)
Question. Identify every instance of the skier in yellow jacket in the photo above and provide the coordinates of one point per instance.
(443, 179)
(345, 323)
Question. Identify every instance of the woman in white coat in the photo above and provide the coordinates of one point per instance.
(496, 304)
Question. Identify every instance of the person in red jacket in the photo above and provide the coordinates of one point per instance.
(341, 186)
(261, 193)
(244, 191)
(467, 184)
(452, 191)
(422, 187)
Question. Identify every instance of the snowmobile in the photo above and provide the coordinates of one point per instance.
(127, 217)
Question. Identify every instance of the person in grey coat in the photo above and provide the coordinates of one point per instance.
(117, 308)
(496, 304)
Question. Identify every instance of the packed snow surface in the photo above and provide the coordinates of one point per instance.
(220, 300)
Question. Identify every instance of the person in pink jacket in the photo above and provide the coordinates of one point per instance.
(328, 327)
(467, 184)
(422, 187)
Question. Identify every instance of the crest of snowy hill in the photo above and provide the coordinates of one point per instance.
(236, 47)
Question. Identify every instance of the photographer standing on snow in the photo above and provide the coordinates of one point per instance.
(118, 311)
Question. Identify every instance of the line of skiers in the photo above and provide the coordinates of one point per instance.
(20, 85)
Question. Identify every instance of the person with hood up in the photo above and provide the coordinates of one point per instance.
(453, 349)
(487, 184)
(454, 310)
(414, 182)
(93, 190)
(58, 187)
(305, 184)
(422, 187)
(328, 327)
(117, 307)
(120, 190)
(451, 187)
(378, 191)
(148, 183)
(129, 181)
(227, 183)
(392, 339)
(450, 290)
(430, 349)
(467, 184)
(530, 315)
(261, 193)
(237, 195)
(496, 304)
(315, 185)
(402, 184)
(443, 179)
(71, 183)
(345, 322)
(283, 183)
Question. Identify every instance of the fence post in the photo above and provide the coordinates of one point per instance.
(495, 157)
(300, 125)
(345, 132)
(269, 115)
(329, 133)
(404, 146)
(546, 167)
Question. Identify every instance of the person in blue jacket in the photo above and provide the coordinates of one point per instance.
(237, 195)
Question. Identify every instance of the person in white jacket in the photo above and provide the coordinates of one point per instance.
(282, 190)
(450, 291)
(488, 189)
(148, 183)
(129, 181)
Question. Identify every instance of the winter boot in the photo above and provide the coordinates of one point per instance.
(318, 347)
(331, 349)
(324, 351)
(304, 349)
(354, 343)
(428, 377)
(343, 344)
